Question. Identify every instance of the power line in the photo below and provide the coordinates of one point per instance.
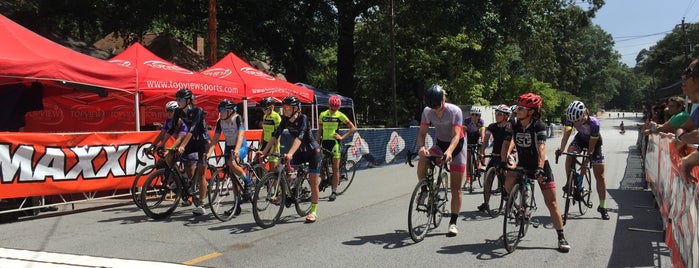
(691, 4)
(633, 37)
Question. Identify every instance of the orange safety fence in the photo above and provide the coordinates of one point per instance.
(677, 199)
(43, 164)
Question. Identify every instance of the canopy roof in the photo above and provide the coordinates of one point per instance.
(257, 83)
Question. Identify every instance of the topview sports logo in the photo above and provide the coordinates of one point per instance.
(124, 63)
(166, 66)
(255, 72)
(218, 72)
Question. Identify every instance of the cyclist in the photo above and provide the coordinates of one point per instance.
(475, 131)
(303, 149)
(164, 136)
(194, 144)
(446, 119)
(231, 124)
(529, 137)
(329, 123)
(270, 123)
(497, 131)
(589, 137)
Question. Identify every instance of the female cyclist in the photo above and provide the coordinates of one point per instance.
(529, 137)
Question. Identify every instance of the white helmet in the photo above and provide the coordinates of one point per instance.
(503, 109)
(475, 110)
(513, 108)
(171, 106)
(575, 111)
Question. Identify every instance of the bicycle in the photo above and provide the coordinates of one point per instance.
(225, 191)
(492, 174)
(519, 209)
(581, 189)
(164, 188)
(474, 168)
(281, 188)
(430, 189)
(147, 169)
(347, 170)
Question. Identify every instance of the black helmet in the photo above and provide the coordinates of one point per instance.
(434, 96)
(291, 100)
(227, 104)
(266, 102)
(184, 93)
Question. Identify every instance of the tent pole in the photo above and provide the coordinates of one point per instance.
(137, 106)
(245, 110)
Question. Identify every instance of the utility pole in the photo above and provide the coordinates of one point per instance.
(686, 43)
(393, 68)
(213, 58)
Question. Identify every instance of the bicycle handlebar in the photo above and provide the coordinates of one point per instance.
(582, 154)
(432, 158)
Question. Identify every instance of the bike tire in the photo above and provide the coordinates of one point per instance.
(585, 202)
(472, 172)
(419, 215)
(569, 194)
(440, 202)
(224, 195)
(268, 200)
(513, 220)
(158, 199)
(493, 182)
(140, 177)
(302, 195)
(347, 172)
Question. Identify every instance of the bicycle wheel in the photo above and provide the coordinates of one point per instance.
(268, 200)
(471, 172)
(440, 202)
(513, 220)
(585, 202)
(302, 195)
(347, 171)
(224, 195)
(419, 212)
(492, 183)
(569, 194)
(160, 194)
(141, 176)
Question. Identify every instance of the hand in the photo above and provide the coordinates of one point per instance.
(288, 157)
(558, 152)
(236, 154)
(686, 166)
(447, 156)
(423, 152)
(337, 136)
(180, 149)
(540, 175)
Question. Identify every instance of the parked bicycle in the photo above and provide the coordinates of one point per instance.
(494, 181)
(286, 186)
(474, 167)
(347, 170)
(162, 191)
(519, 209)
(428, 203)
(579, 185)
(226, 190)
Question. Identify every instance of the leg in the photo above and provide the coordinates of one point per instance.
(601, 182)
(549, 192)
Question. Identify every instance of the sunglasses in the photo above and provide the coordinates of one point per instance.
(476, 114)
(222, 110)
(500, 114)
(522, 108)
(180, 99)
(286, 107)
(267, 108)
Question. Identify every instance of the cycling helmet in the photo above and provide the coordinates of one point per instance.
(334, 102)
(476, 110)
(171, 106)
(503, 109)
(184, 93)
(292, 101)
(513, 108)
(266, 102)
(434, 96)
(575, 111)
(227, 104)
(529, 100)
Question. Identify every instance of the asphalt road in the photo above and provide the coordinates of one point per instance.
(367, 226)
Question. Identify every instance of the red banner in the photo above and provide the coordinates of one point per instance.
(38, 164)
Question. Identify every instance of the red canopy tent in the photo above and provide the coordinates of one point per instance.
(158, 80)
(69, 83)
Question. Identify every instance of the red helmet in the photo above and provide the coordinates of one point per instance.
(529, 100)
(334, 102)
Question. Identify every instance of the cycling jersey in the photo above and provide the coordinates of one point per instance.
(473, 130)
(451, 117)
(270, 123)
(330, 123)
(230, 129)
(194, 120)
(526, 139)
(308, 150)
(586, 131)
(181, 131)
(498, 134)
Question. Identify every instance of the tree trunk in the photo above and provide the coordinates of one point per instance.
(345, 49)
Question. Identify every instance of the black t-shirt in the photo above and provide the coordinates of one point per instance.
(298, 129)
(194, 120)
(526, 139)
(498, 134)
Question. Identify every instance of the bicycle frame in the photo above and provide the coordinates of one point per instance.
(436, 204)
(521, 205)
(572, 194)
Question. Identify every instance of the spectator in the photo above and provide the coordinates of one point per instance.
(678, 117)
(687, 133)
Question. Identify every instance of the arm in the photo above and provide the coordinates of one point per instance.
(351, 130)
(482, 137)
(421, 134)
(567, 130)
(486, 139)
(455, 137)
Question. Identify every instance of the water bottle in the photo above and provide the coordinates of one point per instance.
(578, 180)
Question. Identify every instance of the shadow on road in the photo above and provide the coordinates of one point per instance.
(394, 240)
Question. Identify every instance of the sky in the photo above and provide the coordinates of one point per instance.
(639, 24)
